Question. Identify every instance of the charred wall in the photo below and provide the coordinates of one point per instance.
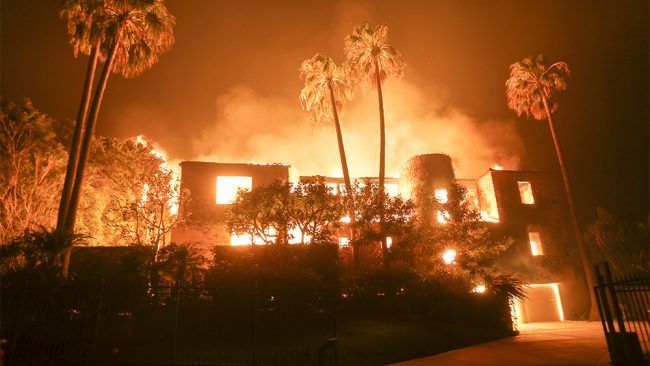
(545, 216)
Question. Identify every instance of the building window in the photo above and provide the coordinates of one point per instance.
(391, 189)
(344, 242)
(526, 193)
(389, 242)
(441, 195)
(228, 186)
(535, 243)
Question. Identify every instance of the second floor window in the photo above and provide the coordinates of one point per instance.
(526, 193)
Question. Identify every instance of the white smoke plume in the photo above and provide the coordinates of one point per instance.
(268, 129)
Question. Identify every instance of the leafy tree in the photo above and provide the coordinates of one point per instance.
(371, 60)
(150, 211)
(262, 213)
(530, 91)
(398, 212)
(31, 162)
(623, 243)
(270, 214)
(131, 34)
(315, 211)
(476, 248)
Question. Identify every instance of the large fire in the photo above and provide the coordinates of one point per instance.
(165, 166)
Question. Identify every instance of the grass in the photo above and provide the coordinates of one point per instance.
(380, 341)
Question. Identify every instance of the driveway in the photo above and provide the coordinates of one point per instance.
(552, 343)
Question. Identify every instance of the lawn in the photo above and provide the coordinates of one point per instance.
(380, 341)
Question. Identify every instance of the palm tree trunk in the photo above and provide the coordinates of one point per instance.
(584, 257)
(73, 158)
(85, 148)
(346, 177)
(382, 163)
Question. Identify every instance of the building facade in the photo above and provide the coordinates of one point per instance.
(527, 206)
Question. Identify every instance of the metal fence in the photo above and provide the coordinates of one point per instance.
(105, 325)
(624, 306)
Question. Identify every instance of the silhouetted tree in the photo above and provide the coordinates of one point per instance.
(371, 60)
(530, 91)
(131, 33)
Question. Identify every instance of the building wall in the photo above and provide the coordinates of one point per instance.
(548, 216)
(206, 225)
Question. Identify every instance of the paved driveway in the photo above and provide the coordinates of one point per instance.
(553, 343)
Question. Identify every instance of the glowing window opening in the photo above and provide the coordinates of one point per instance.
(526, 193)
(344, 242)
(558, 299)
(295, 235)
(535, 243)
(391, 189)
(244, 239)
(228, 186)
(389, 242)
(441, 195)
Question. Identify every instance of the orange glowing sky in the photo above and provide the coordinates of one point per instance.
(229, 87)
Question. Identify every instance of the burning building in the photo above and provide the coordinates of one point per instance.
(213, 188)
(528, 206)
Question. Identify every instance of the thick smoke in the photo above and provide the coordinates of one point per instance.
(268, 129)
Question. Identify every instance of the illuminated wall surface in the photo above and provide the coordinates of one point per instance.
(542, 304)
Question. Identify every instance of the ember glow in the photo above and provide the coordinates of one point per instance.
(479, 289)
(449, 256)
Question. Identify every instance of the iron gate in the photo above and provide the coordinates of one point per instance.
(624, 307)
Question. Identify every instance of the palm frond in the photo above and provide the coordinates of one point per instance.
(531, 82)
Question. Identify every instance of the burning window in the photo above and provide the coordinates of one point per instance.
(535, 243)
(344, 242)
(441, 195)
(228, 186)
(296, 236)
(389, 242)
(391, 189)
(526, 193)
(244, 239)
(487, 199)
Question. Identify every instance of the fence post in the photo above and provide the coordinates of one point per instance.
(14, 344)
(255, 294)
(615, 303)
(97, 323)
(175, 334)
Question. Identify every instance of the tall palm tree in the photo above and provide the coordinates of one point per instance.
(530, 91)
(84, 38)
(371, 60)
(132, 34)
(325, 89)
